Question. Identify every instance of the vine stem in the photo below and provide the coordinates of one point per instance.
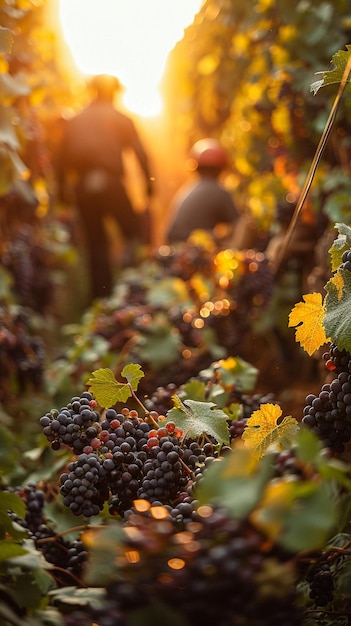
(81, 527)
(315, 162)
(147, 413)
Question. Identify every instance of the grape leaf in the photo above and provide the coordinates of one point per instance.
(235, 482)
(298, 516)
(196, 418)
(237, 373)
(338, 281)
(333, 76)
(264, 429)
(105, 388)
(133, 373)
(11, 501)
(336, 250)
(9, 549)
(159, 347)
(167, 292)
(340, 244)
(337, 312)
(344, 230)
(308, 317)
(234, 411)
(195, 389)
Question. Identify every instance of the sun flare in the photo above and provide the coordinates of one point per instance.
(128, 38)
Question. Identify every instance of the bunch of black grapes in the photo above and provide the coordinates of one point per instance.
(328, 414)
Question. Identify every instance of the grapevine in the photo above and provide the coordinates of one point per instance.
(181, 496)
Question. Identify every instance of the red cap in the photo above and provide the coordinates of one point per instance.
(209, 152)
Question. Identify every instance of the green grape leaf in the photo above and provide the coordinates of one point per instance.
(196, 418)
(235, 482)
(234, 411)
(133, 373)
(333, 76)
(339, 246)
(309, 450)
(344, 230)
(105, 388)
(32, 584)
(298, 516)
(337, 311)
(105, 548)
(218, 395)
(11, 501)
(237, 373)
(159, 348)
(10, 549)
(79, 597)
(168, 292)
(195, 389)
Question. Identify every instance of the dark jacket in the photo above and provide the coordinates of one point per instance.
(201, 205)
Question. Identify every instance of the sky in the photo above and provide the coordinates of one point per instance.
(128, 38)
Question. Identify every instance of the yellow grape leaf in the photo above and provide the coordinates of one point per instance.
(265, 428)
(270, 516)
(339, 283)
(308, 317)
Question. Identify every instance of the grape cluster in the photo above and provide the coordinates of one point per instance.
(120, 458)
(84, 486)
(22, 355)
(68, 556)
(287, 463)
(346, 261)
(34, 499)
(161, 398)
(337, 360)
(210, 556)
(321, 583)
(29, 261)
(163, 472)
(255, 287)
(329, 413)
(76, 425)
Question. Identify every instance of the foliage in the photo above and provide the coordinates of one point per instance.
(242, 73)
(335, 75)
(108, 391)
(266, 428)
(265, 510)
(203, 314)
(318, 317)
(200, 418)
(308, 317)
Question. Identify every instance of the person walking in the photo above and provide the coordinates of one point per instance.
(90, 160)
(203, 203)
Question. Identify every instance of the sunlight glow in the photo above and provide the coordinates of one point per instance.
(128, 38)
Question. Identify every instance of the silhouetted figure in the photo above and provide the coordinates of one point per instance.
(204, 203)
(90, 159)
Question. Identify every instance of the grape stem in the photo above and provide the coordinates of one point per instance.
(81, 527)
(67, 572)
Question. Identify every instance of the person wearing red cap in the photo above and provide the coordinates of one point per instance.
(204, 203)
